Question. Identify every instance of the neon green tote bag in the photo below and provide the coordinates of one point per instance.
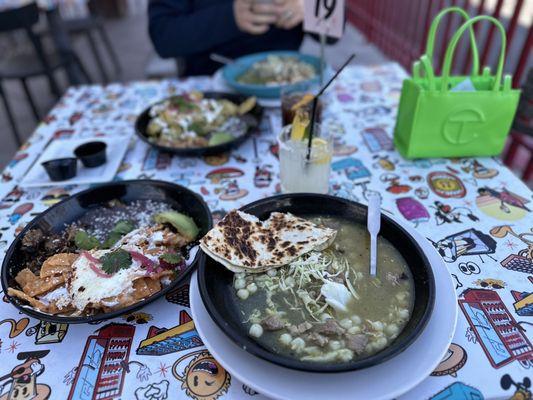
(436, 121)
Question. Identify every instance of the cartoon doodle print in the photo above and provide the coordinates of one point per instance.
(341, 148)
(466, 243)
(203, 378)
(503, 205)
(249, 391)
(179, 296)
(412, 210)
(490, 283)
(153, 391)
(422, 193)
(377, 139)
(160, 341)
(54, 196)
(263, 176)
(230, 190)
(394, 185)
(48, 332)
(19, 212)
(353, 168)
(458, 391)
(217, 159)
(16, 327)
(523, 260)
(100, 370)
(156, 160)
(446, 185)
(445, 213)
(495, 329)
(23, 378)
(522, 391)
(384, 162)
(458, 283)
(523, 304)
(11, 198)
(138, 317)
(219, 174)
(454, 359)
(479, 171)
(346, 190)
(469, 268)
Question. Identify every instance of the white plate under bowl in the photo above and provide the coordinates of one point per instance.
(116, 148)
(384, 381)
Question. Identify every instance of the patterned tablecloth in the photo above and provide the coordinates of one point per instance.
(474, 211)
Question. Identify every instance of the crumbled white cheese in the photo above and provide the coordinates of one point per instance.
(88, 287)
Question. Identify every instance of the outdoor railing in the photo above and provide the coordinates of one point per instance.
(399, 28)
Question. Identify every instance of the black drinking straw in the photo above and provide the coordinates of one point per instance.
(315, 100)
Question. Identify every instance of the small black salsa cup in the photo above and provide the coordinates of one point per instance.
(91, 154)
(61, 169)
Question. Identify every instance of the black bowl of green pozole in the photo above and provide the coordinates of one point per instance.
(323, 312)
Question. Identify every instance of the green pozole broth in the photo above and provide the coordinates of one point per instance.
(288, 311)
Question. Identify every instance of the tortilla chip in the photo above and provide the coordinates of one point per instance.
(25, 277)
(23, 296)
(145, 287)
(42, 286)
(58, 264)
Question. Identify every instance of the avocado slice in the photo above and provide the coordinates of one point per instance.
(184, 225)
(219, 138)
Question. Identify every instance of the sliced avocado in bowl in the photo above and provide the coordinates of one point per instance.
(220, 138)
(184, 225)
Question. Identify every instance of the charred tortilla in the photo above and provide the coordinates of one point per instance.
(241, 242)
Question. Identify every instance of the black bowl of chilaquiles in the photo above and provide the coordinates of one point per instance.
(287, 279)
(105, 251)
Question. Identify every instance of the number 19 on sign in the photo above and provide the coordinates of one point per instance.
(324, 17)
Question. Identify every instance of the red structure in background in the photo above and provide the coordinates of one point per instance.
(399, 28)
(100, 373)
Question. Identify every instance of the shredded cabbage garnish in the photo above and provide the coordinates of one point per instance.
(301, 282)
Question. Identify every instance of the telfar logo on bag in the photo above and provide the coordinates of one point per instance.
(459, 127)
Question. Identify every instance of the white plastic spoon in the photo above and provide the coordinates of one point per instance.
(373, 225)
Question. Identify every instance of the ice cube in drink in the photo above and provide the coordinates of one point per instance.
(297, 172)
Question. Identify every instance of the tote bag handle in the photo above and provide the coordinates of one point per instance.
(432, 34)
(453, 44)
(425, 64)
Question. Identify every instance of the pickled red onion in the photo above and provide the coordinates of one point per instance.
(98, 271)
(90, 257)
(150, 265)
(93, 265)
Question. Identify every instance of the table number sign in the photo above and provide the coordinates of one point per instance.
(325, 17)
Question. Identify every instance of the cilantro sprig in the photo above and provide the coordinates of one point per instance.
(116, 260)
(84, 241)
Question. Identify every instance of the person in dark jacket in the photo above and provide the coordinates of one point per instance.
(194, 29)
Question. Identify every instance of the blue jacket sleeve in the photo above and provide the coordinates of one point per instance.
(177, 30)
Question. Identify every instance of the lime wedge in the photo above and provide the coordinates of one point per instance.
(323, 156)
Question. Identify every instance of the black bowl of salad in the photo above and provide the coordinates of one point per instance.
(199, 123)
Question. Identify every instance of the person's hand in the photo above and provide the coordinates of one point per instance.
(254, 18)
(290, 13)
